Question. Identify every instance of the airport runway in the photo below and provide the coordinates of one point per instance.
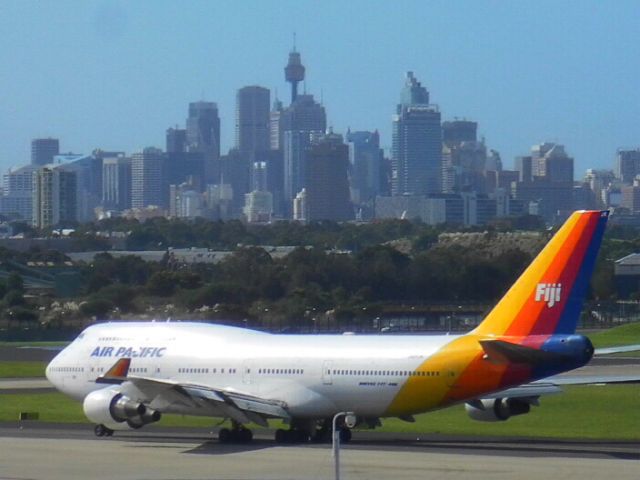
(61, 452)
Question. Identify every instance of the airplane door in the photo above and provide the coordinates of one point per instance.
(326, 373)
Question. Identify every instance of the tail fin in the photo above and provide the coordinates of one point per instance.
(548, 296)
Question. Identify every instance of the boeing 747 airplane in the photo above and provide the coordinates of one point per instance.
(128, 374)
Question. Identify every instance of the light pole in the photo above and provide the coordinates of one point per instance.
(349, 421)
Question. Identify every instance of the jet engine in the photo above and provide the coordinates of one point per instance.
(111, 408)
(497, 410)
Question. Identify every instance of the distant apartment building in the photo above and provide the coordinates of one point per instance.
(631, 197)
(17, 193)
(54, 197)
(258, 206)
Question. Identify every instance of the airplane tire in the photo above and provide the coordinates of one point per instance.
(224, 435)
(281, 436)
(100, 430)
(345, 435)
(245, 435)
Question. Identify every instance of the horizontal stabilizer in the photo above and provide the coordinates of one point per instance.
(499, 351)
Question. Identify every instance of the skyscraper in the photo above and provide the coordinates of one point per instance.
(457, 131)
(148, 179)
(54, 197)
(627, 165)
(43, 150)
(176, 140)
(275, 138)
(297, 122)
(365, 162)
(116, 183)
(327, 185)
(416, 151)
(252, 119)
(203, 128)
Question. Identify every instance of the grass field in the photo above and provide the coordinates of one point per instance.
(628, 334)
(590, 412)
(22, 369)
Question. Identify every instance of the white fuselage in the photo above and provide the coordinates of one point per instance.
(315, 375)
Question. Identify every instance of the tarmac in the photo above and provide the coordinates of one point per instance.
(36, 451)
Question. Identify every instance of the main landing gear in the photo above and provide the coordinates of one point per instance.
(236, 434)
(102, 431)
(305, 431)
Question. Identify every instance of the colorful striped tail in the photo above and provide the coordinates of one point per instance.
(548, 296)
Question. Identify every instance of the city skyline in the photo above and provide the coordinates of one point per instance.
(116, 75)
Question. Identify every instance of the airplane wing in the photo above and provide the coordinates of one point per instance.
(161, 394)
(552, 385)
(612, 350)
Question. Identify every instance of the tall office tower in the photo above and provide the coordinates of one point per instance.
(116, 183)
(458, 131)
(294, 72)
(550, 161)
(203, 129)
(327, 184)
(17, 193)
(297, 122)
(43, 150)
(416, 151)
(54, 197)
(148, 179)
(627, 165)
(296, 146)
(252, 119)
(523, 165)
(365, 164)
(88, 170)
(176, 140)
(274, 125)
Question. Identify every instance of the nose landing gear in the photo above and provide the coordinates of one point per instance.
(102, 431)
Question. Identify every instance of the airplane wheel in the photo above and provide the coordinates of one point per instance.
(100, 430)
(109, 432)
(301, 436)
(281, 436)
(224, 435)
(345, 435)
(245, 435)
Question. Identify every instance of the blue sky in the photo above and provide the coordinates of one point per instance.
(115, 74)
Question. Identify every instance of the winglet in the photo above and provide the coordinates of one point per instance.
(117, 373)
